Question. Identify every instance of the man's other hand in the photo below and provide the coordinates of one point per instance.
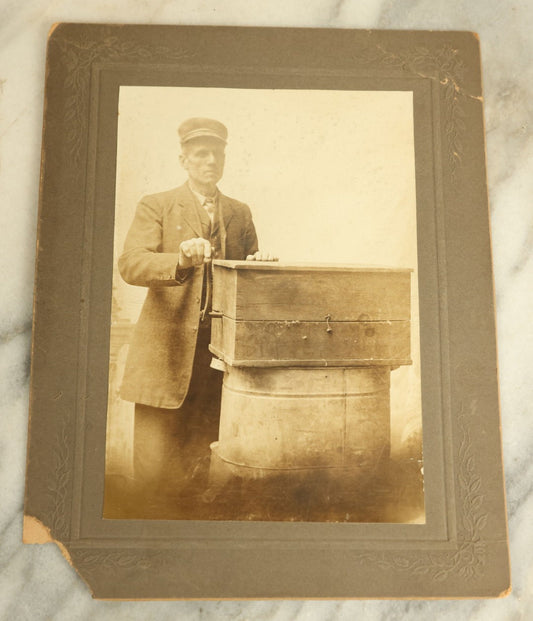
(194, 252)
(261, 256)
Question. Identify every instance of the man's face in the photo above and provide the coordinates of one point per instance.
(203, 159)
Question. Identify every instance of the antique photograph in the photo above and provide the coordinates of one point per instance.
(263, 332)
(264, 342)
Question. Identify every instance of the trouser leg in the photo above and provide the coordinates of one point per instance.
(157, 434)
(171, 445)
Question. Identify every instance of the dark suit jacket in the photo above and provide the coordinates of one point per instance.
(159, 364)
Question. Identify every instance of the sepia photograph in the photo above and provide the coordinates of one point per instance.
(263, 332)
(264, 341)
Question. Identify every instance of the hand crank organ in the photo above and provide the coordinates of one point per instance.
(307, 353)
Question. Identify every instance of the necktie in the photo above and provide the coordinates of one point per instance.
(210, 206)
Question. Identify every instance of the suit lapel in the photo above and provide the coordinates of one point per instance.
(226, 212)
(197, 218)
(190, 211)
(226, 208)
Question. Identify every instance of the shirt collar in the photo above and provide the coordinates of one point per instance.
(201, 198)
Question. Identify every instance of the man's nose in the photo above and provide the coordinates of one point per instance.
(211, 158)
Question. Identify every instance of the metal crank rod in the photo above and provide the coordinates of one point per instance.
(208, 280)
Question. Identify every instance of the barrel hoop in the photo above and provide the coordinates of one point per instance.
(308, 395)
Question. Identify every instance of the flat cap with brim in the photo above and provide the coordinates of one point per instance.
(201, 128)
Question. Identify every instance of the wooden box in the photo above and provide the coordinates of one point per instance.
(276, 314)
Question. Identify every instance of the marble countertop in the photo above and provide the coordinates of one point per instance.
(35, 581)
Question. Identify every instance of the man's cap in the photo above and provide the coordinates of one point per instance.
(200, 127)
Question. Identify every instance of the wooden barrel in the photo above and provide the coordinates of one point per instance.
(303, 418)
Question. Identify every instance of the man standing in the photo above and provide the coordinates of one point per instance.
(174, 234)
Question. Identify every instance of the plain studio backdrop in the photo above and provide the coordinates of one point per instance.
(329, 177)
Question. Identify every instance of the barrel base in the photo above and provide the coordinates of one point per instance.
(223, 471)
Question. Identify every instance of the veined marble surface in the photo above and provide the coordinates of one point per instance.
(35, 581)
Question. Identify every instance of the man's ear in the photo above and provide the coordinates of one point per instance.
(183, 160)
